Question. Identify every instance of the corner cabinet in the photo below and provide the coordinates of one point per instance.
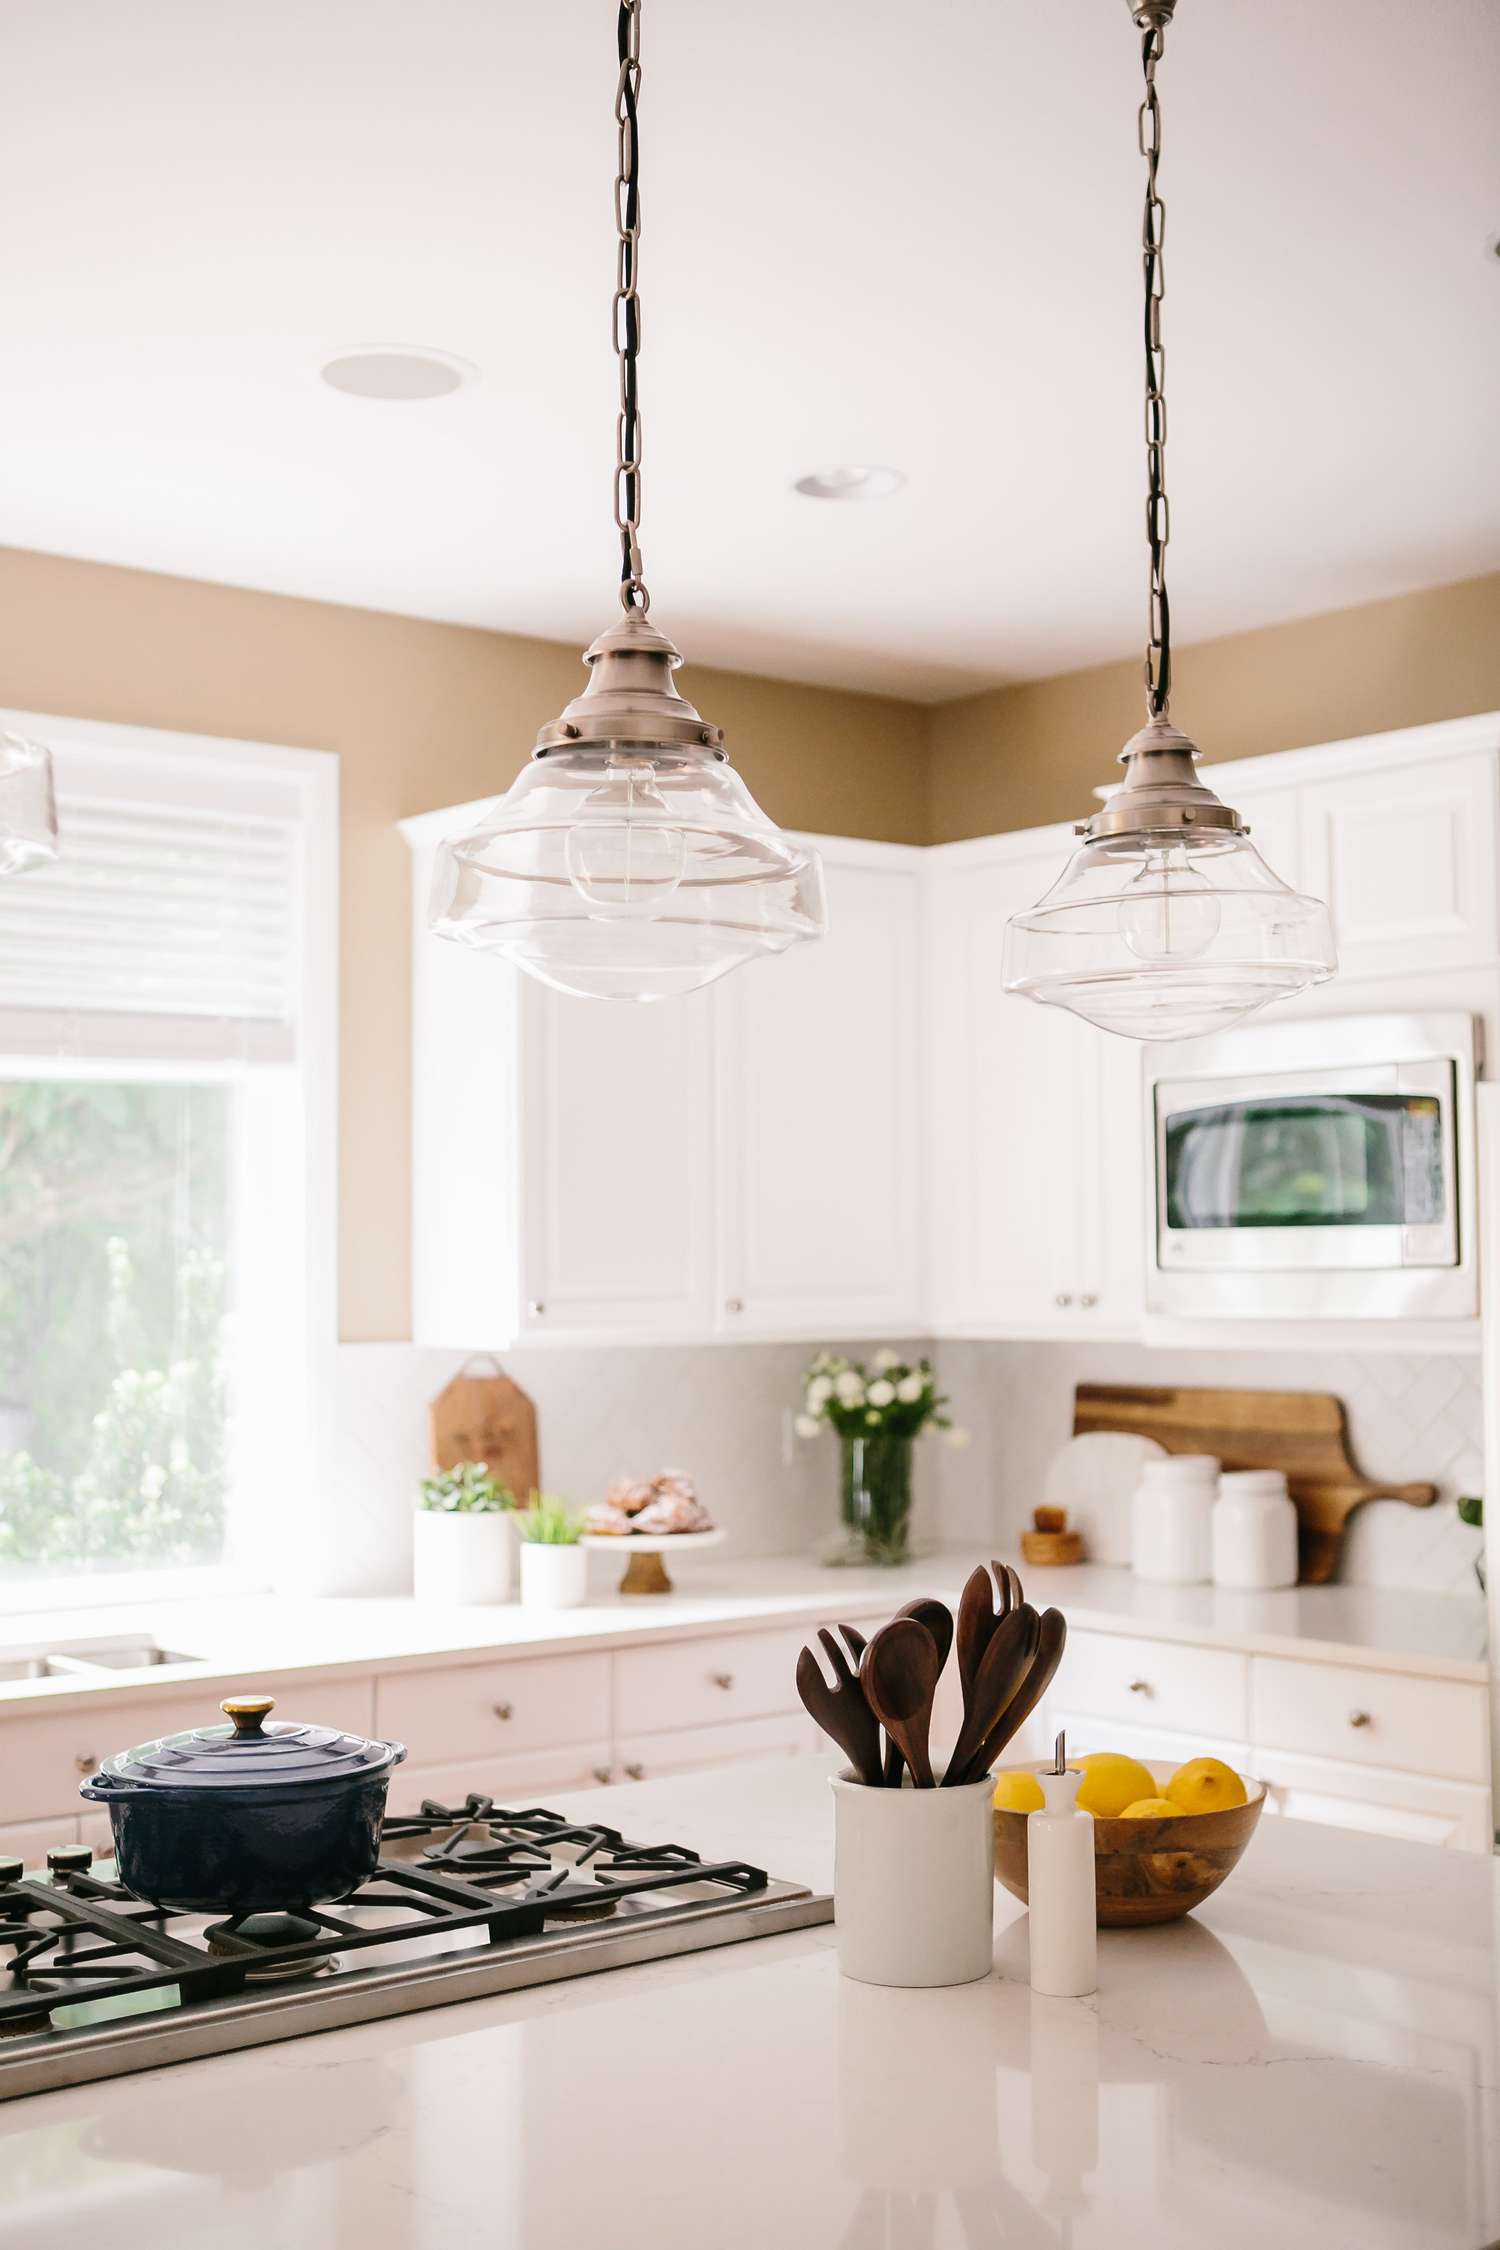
(1036, 1122)
(744, 1163)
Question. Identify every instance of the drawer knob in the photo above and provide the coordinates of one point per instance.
(1142, 1687)
(536, 1308)
(722, 1679)
(1064, 1299)
(600, 1773)
(636, 1772)
(503, 1710)
(1088, 1300)
(734, 1304)
(86, 1762)
(1360, 1719)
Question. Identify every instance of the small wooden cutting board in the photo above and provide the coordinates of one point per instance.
(486, 1417)
(1305, 1433)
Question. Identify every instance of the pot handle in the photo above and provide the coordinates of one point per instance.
(100, 1787)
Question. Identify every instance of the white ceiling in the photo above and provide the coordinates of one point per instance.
(872, 232)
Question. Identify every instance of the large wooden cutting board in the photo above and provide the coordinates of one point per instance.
(484, 1416)
(1306, 1433)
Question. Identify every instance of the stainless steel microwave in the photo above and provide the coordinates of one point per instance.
(1322, 1169)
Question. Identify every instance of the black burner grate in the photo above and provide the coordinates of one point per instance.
(79, 1938)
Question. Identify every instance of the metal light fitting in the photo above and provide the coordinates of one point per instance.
(628, 861)
(1166, 923)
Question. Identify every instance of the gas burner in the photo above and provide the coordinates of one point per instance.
(273, 1934)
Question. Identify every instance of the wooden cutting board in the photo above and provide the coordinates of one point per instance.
(1306, 1433)
(483, 1416)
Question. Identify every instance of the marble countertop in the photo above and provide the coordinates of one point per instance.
(1312, 2060)
(1442, 1635)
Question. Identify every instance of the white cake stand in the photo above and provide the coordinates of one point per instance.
(645, 1571)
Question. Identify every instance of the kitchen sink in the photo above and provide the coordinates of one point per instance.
(83, 1660)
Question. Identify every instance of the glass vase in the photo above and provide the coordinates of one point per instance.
(874, 1499)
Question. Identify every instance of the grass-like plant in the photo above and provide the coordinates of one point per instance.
(549, 1522)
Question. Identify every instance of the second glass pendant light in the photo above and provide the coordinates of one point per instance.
(628, 861)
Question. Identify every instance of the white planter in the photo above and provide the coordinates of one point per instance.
(553, 1577)
(914, 1883)
(463, 1557)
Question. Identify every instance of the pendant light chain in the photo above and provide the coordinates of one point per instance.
(1158, 517)
(627, 311)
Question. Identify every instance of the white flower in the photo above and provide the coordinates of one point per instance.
(881, 1393)
(958, 1439)
(848, 1388)
(911, 1389)
(885, 1359)
(804, 1425)
(819, 1391)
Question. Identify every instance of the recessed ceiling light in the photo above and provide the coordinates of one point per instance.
(400, 373)
(850, 484)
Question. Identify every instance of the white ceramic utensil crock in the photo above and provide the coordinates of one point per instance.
(913, 1882)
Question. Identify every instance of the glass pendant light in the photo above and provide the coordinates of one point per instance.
(28, 813)
(628, 861)
(1166, 923)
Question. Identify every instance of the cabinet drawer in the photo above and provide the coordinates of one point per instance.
(1154, 1746)
(1158, 1684)
(29, 1840)
(646, 1757)
(1374, 1718)
(1454, 1814)
(492, 1710)
(43, 1758)
(698, 1683)
(528, 1778)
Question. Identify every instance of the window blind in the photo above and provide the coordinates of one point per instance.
(156, 908)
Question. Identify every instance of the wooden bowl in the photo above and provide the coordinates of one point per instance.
(1145, 1870)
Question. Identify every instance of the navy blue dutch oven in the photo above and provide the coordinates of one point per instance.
(246, 1818)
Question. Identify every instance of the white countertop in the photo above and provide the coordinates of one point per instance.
(254, 1639)
(1311, 2061)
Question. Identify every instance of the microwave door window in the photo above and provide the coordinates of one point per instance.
(1330, 1160)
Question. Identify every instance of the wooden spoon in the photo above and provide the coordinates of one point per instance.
(899, 1674)
(1002, 1669)
(1051, 1638)
(976, 1622)
(938, 1619)
(840, 1709)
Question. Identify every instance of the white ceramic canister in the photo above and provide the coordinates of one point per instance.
(553, 1577)
(1254, 1531)
(463, 1555)
(1172, 1519)
(913, 1882)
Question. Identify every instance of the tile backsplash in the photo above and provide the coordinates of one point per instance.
(722, 1412)
(1409, 1418)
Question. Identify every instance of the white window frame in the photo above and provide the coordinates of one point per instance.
(280, 1475)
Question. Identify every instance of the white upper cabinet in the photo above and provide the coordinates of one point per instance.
(820, 1087)
(1405, 857)
(616, 1164)
(1035, 1127)
(743, 1162)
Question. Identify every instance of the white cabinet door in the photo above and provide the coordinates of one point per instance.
(820, 1086)
(1406, 859)
(1037, 1186)
(617, 1161)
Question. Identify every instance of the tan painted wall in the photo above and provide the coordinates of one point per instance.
(1019, 756)
(420, 715)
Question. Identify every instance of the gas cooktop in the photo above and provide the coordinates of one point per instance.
(466, 1901)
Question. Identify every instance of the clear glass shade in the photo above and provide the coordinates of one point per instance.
(28, 814)
(1158, 935)
(627, 874)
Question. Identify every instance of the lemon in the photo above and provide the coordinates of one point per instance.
(1018, 1792)
(1205, 1785)
(1151, 1808)
(1111, 1782)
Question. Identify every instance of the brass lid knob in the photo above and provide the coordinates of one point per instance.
(249, 1713)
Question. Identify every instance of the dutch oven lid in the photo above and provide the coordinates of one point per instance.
(248, 1754)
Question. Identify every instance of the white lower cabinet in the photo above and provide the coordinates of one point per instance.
(647, 1757)
(525, 1779)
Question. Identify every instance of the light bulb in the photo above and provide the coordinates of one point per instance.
(623, 856)
(1169, 911)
